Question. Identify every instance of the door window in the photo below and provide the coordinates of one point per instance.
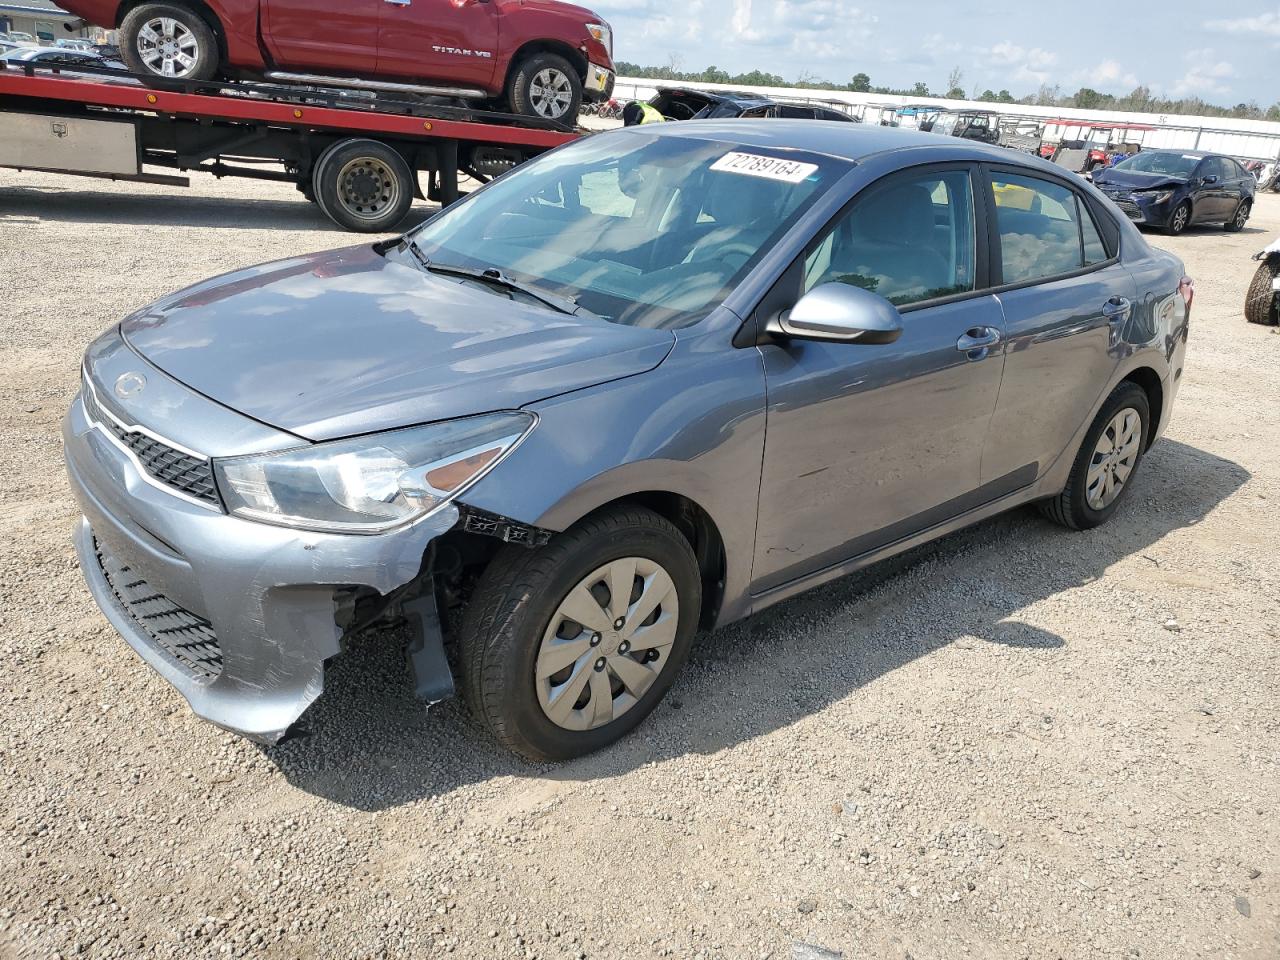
(909, 239)
(1045, 229)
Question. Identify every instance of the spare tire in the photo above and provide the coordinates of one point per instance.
(1260, 302)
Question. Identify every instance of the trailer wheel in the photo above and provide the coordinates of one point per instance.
(363, 185)
(169, 42)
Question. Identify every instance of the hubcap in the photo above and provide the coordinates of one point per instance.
(590, 670)
(550, 93)
(168, 48)
(1114, 458)
(367, 188)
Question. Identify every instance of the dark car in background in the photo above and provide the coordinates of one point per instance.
(1172, 189)
(684, 103)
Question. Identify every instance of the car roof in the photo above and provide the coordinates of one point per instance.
(848, 141)
(720, 96)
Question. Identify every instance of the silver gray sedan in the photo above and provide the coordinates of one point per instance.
(651, 382)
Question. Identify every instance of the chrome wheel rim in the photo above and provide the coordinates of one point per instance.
(367, 188)
(607, 643)
(1114, 457)
(1242, 215)
(1180, 219)
(168, 48)
(550, 93)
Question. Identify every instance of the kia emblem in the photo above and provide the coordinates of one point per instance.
(129, 385)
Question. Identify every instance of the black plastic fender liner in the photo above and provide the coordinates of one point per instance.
(432, 676)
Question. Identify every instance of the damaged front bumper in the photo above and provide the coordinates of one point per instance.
(239, 616)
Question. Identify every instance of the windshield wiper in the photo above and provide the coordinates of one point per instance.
(496, 278)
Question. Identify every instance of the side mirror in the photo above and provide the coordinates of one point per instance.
(1211, 179)
(840, 313)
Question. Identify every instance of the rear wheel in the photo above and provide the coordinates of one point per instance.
(1112, 450)
(168, 42)
(568, 647)
(1179, 219)
(363, 185)
(1239, 218)
(546, 85)
(1260, 303)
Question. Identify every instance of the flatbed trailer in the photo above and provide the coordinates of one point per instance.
(357, 155)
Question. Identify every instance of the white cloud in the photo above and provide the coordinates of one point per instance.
(1264, 24)
(1022, 65)
(1204, 75)
(1107, 75)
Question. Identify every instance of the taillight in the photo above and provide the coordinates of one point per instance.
(1187, 287)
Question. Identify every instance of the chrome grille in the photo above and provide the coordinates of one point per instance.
(187, 638)
(181, 471)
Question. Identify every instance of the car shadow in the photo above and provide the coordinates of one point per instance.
(372, 746)
(182, 209)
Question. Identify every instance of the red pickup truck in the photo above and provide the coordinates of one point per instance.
(537, 57)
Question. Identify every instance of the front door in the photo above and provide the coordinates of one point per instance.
(323, 35)
(449, 42)
(1065, 301)
(867, 444)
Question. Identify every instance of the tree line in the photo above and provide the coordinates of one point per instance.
(1139, 100)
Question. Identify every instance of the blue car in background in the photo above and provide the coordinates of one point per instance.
(1172, 189)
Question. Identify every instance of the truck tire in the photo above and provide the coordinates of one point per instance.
(363, 185)
(546, 86)
(1260, 304)
(168, 42)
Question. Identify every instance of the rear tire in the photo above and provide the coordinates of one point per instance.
(546, 86)
(1239, 218)
(1083, 504)
(363, 185)
(1260, 302)
(161, 41)
(516, 632)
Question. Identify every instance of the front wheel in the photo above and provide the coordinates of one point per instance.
(168, 42)
(1239, 219)
(547, 86)
(1108, 458)
(1179, 220)
(567, 648)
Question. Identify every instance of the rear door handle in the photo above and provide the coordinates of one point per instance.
(978, 341)
(1117, 308)
(399, 3)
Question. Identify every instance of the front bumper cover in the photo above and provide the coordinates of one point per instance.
(267, 593)
(599, 84)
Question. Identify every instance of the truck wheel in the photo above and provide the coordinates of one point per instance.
(363, 185)
(568, 647)
(170, 42)
(546, 85)
(1262, 302)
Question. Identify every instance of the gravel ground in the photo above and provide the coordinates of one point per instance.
(1015, 743)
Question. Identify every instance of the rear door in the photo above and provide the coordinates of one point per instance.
(322, 35)
(1066, 298)
(448, 42)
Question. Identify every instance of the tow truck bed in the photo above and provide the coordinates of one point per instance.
(355, 154)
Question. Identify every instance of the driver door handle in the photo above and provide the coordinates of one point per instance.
(978, 341)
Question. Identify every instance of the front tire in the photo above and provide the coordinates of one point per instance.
(546, 86)
(1260, 303)
(546, 666)
(168, 42)
(1179, 220)
(1109, 457)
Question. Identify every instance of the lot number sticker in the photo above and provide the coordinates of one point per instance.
(770, 168)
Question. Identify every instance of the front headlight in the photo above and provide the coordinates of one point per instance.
(1156, 196)
(369, 484)
(602, 33)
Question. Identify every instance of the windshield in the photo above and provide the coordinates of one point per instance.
(640, 230)
(1154, 161)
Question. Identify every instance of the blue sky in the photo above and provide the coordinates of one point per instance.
(1225, 54)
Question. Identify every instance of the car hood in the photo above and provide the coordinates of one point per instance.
(1136, 181)
(350, 342)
